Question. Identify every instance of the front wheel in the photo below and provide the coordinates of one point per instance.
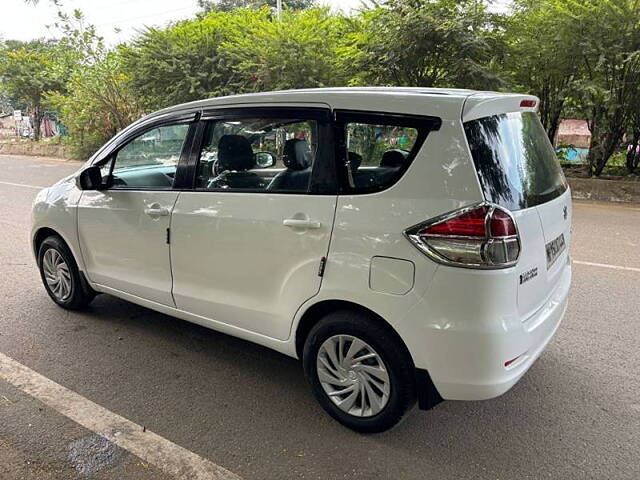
(360, 371)
(60, 275)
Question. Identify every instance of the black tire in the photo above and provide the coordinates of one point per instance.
(390, 349)
(80, 294)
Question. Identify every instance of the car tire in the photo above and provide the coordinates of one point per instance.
(60, 275)
(379, 369)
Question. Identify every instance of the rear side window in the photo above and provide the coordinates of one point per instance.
(258, 154)
(514, 159)
(378, 148)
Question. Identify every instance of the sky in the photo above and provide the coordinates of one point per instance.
(21, 21)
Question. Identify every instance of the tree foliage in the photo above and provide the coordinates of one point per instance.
(184, 62)
(228, 5)
(97, 100)
(610, 63)
(426, 43)
(27, 72)
(541, 57)
(300, 51)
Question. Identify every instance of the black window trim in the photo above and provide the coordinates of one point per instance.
(423, 124)
(323, 174)
(122, 141)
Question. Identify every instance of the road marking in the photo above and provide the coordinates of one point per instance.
(148, 446)
(606, 265)
(22, 185)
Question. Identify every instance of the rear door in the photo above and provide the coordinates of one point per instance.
(248, 241)
(518, 170)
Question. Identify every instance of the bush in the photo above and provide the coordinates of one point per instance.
(100, 103)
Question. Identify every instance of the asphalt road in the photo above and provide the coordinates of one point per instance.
(575, 415)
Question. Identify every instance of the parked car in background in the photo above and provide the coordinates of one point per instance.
(407, 244)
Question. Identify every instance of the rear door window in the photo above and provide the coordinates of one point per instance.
(258, 154)
(515, 161)
(378, 148)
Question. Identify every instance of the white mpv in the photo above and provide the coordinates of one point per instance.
(409, 245)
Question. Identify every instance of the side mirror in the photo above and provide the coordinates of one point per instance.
(264, 159)
(90, 179)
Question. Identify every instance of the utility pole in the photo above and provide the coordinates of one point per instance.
(278, 9)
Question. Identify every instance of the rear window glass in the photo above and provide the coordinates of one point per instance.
(514, 159)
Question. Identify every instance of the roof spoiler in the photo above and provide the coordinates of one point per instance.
(481, 105)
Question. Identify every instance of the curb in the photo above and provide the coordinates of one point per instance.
(34, 149)
(618, 191)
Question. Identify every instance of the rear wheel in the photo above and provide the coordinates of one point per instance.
(360, 371)
(60, 275)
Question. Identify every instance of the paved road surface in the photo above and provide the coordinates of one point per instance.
(575, 415)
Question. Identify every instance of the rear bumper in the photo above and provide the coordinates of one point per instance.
(540, 331)
(465, 352)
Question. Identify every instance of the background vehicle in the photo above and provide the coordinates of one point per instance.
(407, 244)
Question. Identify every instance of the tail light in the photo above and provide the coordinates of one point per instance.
(481, 236)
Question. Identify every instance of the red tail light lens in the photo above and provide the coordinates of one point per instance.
(484, 236)
(470, 224)
(528, 103)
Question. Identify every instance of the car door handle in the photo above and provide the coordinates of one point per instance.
(300, 223)
(156, 211)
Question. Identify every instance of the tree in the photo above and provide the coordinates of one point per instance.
(228, 5)
(541, 58)
(426, 43)
(99, 104)
(184, 62)
(609, 53)
(633, 131)
(299, 51)
(27, 72)
(98, 100)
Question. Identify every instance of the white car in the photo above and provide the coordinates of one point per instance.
(409, 245)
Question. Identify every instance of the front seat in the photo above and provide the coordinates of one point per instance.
(297, 158)
(235, 158)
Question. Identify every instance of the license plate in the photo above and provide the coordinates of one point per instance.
(554, 248)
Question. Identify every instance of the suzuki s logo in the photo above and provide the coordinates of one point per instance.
(565, 212)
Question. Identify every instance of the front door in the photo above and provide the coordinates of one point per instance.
(248, 243)
(123, 229)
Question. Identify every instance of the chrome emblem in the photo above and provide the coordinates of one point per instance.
(565, 212)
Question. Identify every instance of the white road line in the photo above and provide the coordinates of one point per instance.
(606, 265)
(22, 185)
(169, 457)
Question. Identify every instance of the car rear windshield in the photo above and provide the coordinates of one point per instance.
(514, 159)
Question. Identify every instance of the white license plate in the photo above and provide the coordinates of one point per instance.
(554, 249)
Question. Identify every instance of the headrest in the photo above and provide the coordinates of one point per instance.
(393, 158)
(296, 154)
(354, 161)
(235, 153)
